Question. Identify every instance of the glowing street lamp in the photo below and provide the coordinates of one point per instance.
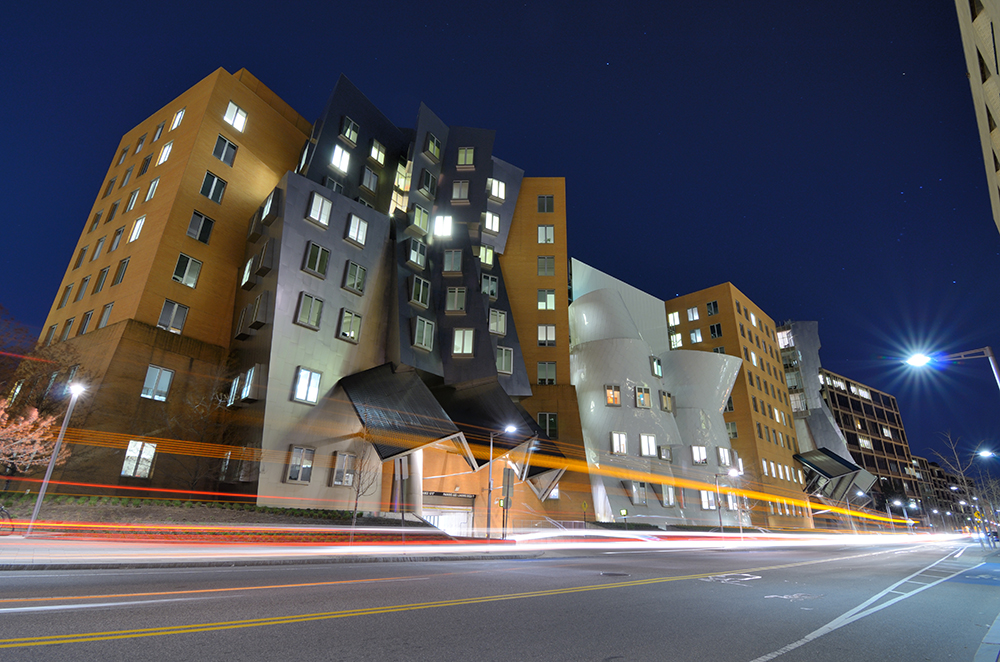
(921, 360)
(489, 494)
(75, 390)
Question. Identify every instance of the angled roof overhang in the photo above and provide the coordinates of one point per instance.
(833, 476)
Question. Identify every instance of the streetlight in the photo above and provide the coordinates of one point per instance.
(920, 360)
(75, 390)
(732, 473)
(906, 517)
(489, 494)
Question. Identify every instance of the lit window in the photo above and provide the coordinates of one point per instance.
(692, 314)
(433, 146)
(546, 335)
(753, 319)
(187, 270)
(505, 360)
(370, 180)
(421, 218)
(712, 307)
(212, 188)
(350, 326)
(699, 455)
(120, 272)
(200, 227)
(172, 316)
(669, 495)
(707, 500)
(643, 400)
(463, 342)
(423, 334)
(656, 366)
(647, 444)
(486, 255)
(319, 209)
(619, 443)
(491, 286)
(715, 330)
(675, 340)
(492, 222)
(420, 292)
(165, 153)
(136, 229)
(763, 464)
(546, 372)
(466, 155)
(453, 261)
(310, 311)
(341, 158)
(300, 463)
(235, 116)
(546, 234)
(138, 459)
(418, 253)
(455, 300)
(349, 129)
(178, 116)
(496, 189)
(549, 422)
(224, 150)
(546, 265)
(498, 322)
(157, 383)
(673, 319)
(152, 191)
(613, 395)
(546, 204)
(695, 336)
(317, 260)
(378, 152)
(886, 432)
(357, 230)
(460, 190)
(343, 469)
(306, 386)
(865, 442)
(442, 226)
(546, 299)
(725, 456)
(753, 358)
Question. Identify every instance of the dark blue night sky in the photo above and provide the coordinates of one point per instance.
(825, 160)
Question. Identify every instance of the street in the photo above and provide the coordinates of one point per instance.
(932, 601)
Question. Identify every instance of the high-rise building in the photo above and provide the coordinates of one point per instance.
(976, 20)
(758, 416)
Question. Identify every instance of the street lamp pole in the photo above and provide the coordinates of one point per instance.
(75, 391)
(489, 489)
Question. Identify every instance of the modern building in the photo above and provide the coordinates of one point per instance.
(758, 416)
(976, 20)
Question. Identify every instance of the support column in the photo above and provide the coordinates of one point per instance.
(414, 485)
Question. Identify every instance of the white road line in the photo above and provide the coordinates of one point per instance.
(20, 610)
(861, 611)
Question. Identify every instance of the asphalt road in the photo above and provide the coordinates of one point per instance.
(817, 605)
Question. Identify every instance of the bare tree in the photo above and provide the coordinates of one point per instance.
(952, 460)
(367, 475)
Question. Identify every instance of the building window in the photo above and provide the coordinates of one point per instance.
(719, 350)
(101, 277)
(306, 386)
(319, 209)
(498, 322)
(178, 116)
(317, 260)
(546, 299)
(341, 158)
(692, 314)
(669, 495)
(50, 335)
(666, 401)
(187, 270)
(492, 222)
(619, 443)
(546, 372)
(549, 422)
(491, 286)
(546, 204)
(420, 292)
(116, 239)
(157, 383)
(212, 188)
(310, 311)
(673, 319)
(152, 191)
(200, 227)
(349, 130)
(113, 211)
(725, 456)
(136, 229)
(460, 190)
(753, 319)
(343, 469)
(428, 184)
(695, 336)
(423, 334)
(369, 180)
(67, 291)
(546, 234)
(466, 156)
(675, 340)
(699, 455)
(172, 316)
(158, 132)
(110, 187)
(643, 400)
(715, 330)
(546, 265)
(377, 152)
(350, 326)
(165, 153)
(120, 272)
(613, 395)
(647, 444)
(496, 189)
(707, 500)
(546, 335)
(505, 360)
(145, 165)
(418, 253)
(453, 261)
(67, 327)
(463, 345)
(96, 222)
(656, 366)
(224, 150)
(433, 147)
(731, 429)
(235, 116)
(421, 218)
(712, 307)
(864, 442)
(455, 300)
(84, 324)
(357, 230)
(300, 463)
(442, 226)
(121, 156)
(138, 145)
(138, 459)
(126, 177)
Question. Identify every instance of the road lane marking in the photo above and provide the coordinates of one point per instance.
(91, 605)
(46, 640)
